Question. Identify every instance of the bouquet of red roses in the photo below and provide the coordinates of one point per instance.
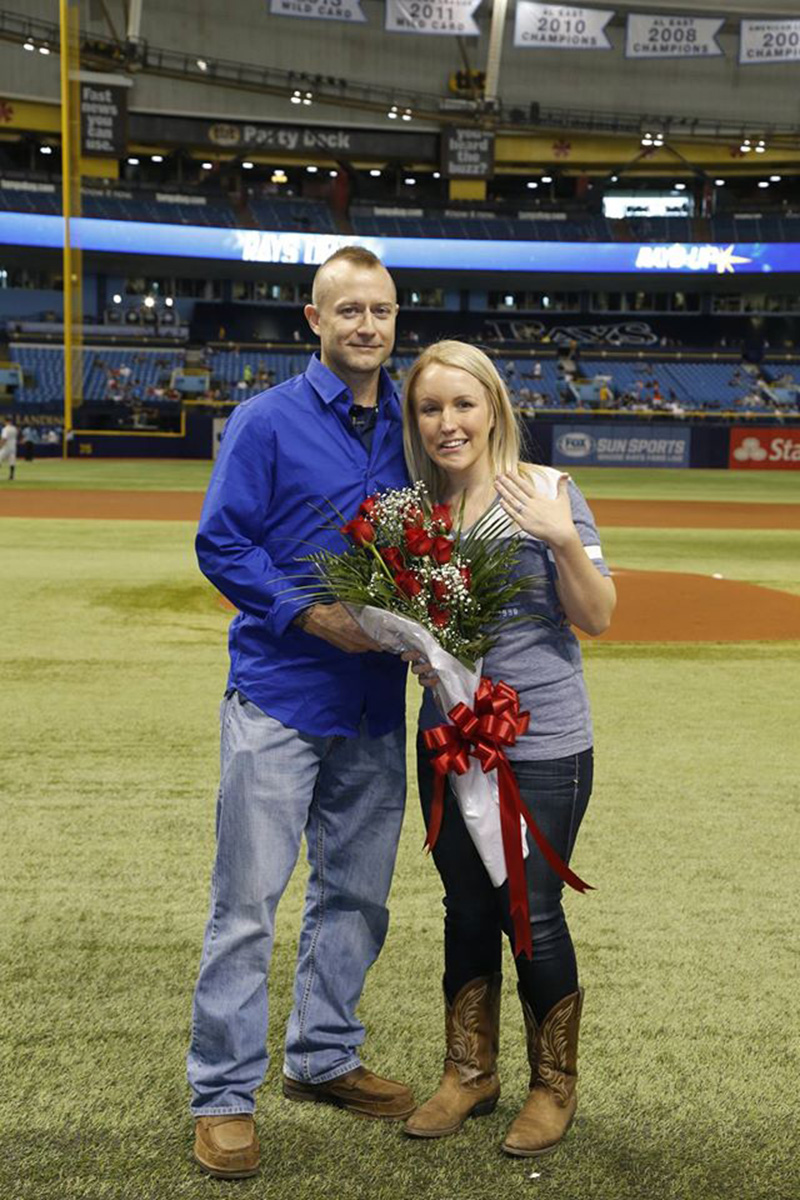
(415, 581)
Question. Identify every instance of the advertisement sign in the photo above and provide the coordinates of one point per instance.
(764, 449)
(454, 18)
(769, 42)
(655, 36)
(467, 154)
(103, 120)
(435, 254)
(593, 445)
(560, 27)
(319, 10)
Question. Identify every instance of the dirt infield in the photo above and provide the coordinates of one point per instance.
(654, 606)
(185, 506)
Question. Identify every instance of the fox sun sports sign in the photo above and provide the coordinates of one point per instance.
(765, 449)
(621, 446)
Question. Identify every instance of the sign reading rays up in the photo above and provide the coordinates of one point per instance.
(467, 154)
(453, 18)
(654, 36)
(104, 111)
(319, 10)
(560, 27)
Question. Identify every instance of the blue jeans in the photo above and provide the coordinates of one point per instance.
(556, 793)
(347, 795)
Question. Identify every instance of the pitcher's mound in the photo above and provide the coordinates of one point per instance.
(665, 606)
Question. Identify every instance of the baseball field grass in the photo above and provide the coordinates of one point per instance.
(112, 664)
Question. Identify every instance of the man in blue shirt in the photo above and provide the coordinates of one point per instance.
(313, 728)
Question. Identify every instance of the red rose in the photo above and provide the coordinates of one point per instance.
(414, 518)
(392, 557)
(466, 575)
(418, 542)
(408, 583)
(439, 616)
(367, 507)
(439, 589)
(440, 515)
(359, 530)
(442, 550)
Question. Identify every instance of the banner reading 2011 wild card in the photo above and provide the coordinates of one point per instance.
(453, 17)
(560, 27)
(653, 35)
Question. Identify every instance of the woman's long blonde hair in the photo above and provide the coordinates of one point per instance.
(504, 436)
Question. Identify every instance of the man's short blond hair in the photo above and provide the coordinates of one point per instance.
(357, 256)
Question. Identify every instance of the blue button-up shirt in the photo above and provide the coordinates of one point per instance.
(284, 456)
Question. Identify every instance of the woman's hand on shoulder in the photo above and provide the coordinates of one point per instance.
(543, 517)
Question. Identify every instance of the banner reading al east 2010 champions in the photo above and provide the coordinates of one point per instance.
(560, 27)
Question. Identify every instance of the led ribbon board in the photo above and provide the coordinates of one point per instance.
(433, 254)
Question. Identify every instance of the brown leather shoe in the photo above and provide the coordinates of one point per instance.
(470, 1085)
(359, 1091)
(227, 1147)
(553, 1054)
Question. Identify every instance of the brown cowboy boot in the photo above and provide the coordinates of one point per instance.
(470, 1086)
(553, 1055)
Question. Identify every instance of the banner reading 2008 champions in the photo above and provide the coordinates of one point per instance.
(560, 27)
(451, 17)
(657, 36)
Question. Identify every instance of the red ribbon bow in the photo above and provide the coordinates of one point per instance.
(481, 732)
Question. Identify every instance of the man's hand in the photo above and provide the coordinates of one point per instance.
(333, 623)
(425, 673)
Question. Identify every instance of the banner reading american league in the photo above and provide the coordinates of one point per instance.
(560, 27)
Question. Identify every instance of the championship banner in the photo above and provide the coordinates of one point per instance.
(769, 42)
(417, 16)
(560, 27)
(650, 36)
(319, 10)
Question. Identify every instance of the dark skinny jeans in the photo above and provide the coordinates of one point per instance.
(556, 793)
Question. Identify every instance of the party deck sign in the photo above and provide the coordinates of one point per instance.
(319, 10)
(769, 42)
(453, 19)
(560, 27)
(656, 36)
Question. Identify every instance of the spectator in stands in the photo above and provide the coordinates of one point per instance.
(247, 375)
(312, 730)
(463, 440)
(8, 446)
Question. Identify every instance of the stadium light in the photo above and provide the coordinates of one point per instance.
(44, 48)
(156, 158)
(531, 184)
(312, 170)
(133, 162)
(207, 166)
(719, 183)
(28, 44)
(247, 166)
(333, 174)
(614, 179)
(296, 96)
(775, 178)
(149, 302)
(375, 173)
(761, 146)
(547, 179)
(679, 187)
(763, 183)
(202, 65)
(409, 180)
(647, 139)
(406, 114)
(117, 298)
(393, 113)
(169, 301)
(437, 174)
(279, 176)
(745, 146)
(45, 149)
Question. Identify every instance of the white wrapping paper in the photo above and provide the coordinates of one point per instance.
(475, 791)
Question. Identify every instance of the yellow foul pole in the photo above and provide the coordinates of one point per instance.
(69, 14)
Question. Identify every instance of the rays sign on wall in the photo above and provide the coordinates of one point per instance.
(453, 18)
(560, 27)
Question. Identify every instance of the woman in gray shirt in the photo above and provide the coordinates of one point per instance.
(462, 439)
